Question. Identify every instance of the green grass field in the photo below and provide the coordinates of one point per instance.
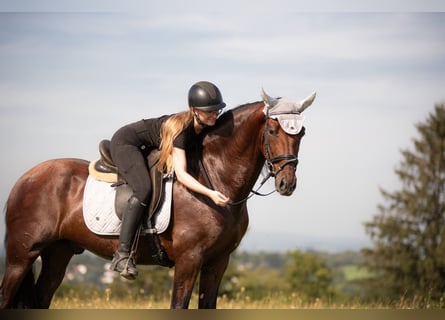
(244, 302)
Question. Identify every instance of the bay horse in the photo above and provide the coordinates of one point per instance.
(44, 216)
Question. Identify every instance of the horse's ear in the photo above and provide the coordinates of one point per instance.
(306, 102)
(268, 99)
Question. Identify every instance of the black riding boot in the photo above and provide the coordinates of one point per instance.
(123, 261)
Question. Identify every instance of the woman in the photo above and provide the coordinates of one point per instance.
(173, 135)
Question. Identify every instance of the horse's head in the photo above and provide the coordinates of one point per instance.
(283, 131)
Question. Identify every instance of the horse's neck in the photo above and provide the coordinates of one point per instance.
(239, 153)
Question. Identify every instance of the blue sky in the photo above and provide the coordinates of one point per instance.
(69, 78)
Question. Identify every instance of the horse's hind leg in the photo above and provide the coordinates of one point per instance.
(17, 289)
(55, 259)
(26, 295)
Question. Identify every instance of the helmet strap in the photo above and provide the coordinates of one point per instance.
(202, 124)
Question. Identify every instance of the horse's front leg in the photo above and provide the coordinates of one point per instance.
(210, 279)
(187, 268)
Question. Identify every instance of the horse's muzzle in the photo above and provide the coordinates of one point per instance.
(285, 184)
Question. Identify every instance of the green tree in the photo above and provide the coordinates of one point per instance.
(309, 276)
(408, 254)
(255, 276)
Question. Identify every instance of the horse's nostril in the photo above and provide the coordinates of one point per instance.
(283, 184)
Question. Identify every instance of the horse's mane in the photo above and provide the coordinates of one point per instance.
(241, 108)
(225, 123)
(230, 143)
(230, 136)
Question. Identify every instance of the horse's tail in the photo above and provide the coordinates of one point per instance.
(5, 208)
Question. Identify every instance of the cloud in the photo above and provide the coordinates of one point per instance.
(391, 38)
(69, 80)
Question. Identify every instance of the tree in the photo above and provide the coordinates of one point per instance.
(309, 276)
(408, 234)
(253, 276)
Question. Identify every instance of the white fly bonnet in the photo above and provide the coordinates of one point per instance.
(287, 113)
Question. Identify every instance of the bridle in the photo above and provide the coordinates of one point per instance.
(289, 159)
(270, 160)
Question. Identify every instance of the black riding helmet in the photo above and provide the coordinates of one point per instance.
(205, 96)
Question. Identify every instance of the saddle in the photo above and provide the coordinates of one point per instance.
(105, 166)
(105, 170)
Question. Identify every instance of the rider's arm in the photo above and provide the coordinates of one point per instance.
(180, 167)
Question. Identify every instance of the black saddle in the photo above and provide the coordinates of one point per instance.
(123, 191)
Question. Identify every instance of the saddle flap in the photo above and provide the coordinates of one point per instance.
(156, 180)
(100, 213)
(124, 192)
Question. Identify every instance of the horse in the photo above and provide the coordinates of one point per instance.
(44, 215)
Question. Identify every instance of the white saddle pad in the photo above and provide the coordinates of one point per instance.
(99, 213)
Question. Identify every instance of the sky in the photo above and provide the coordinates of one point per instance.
(71, 77)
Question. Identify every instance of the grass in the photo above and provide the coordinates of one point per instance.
(106, 301)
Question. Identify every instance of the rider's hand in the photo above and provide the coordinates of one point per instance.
(219, 199)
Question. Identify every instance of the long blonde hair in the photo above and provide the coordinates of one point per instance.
(171, 128)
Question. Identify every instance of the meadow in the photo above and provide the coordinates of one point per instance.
(106, 301)
(260, 285)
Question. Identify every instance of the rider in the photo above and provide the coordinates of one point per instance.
(173, 135)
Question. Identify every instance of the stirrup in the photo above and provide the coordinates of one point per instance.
(124, 265)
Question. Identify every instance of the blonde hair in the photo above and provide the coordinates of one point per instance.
(171, 128)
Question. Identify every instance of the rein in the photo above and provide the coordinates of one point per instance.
(270, 161)
(252, 192)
